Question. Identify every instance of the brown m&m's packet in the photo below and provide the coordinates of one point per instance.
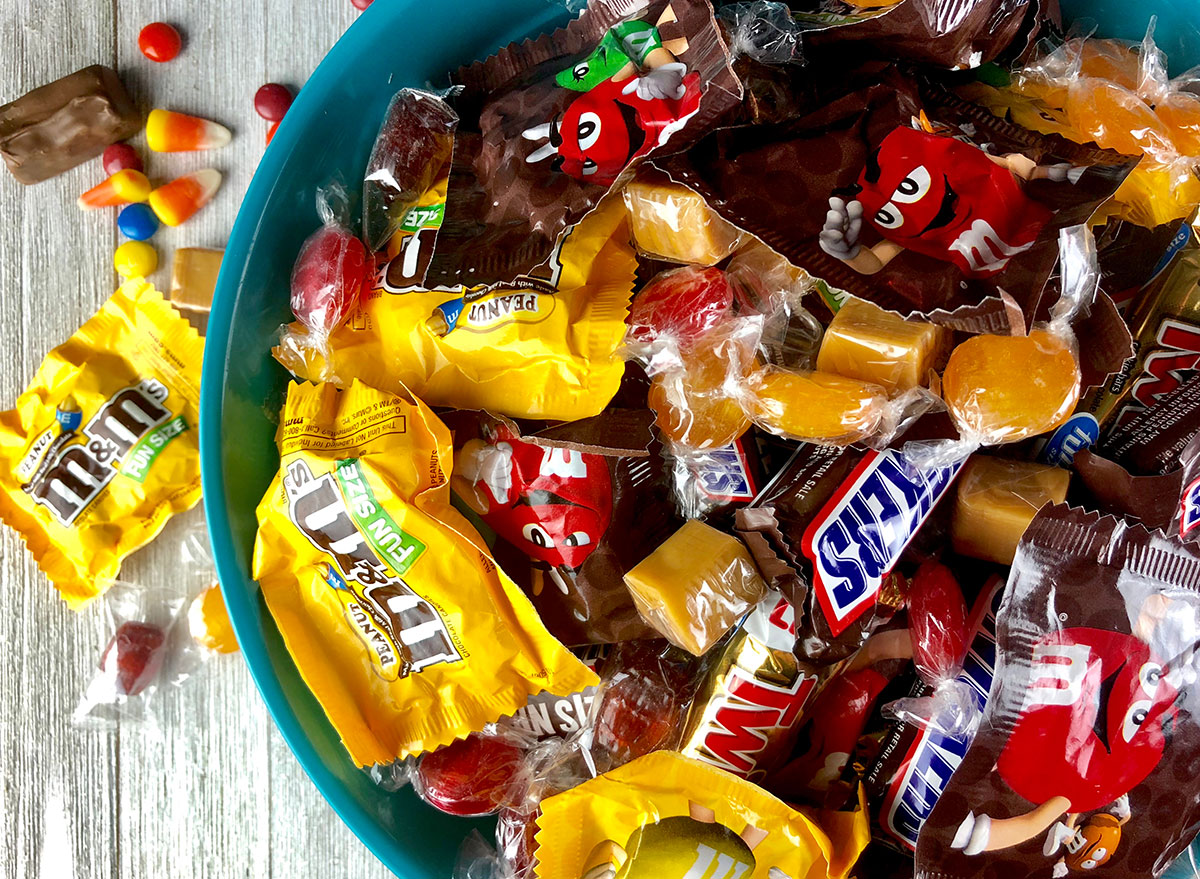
(959, 35)
(1088, 755)
(549, 125)
(571, 516)
(905, 195)
(102, 448)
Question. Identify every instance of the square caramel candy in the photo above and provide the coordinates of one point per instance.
(194, 277)
(66, 122)
(867, 343)
(695, 586)
(675, 224)
(996, 500)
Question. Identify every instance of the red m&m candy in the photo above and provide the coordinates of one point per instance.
(120, 157)
(361, 4)
(160, 42)
(272, 100)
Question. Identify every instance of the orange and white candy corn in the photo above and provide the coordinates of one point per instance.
(124, 187)
(170, 132)
(178, 200)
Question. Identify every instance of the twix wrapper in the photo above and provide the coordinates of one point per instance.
(101, 448)
(397, 617)
(1165, 322)
(747, 713)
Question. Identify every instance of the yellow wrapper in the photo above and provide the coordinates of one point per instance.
(542, 347)
(102, 448)
(666, 816)
(399, 620)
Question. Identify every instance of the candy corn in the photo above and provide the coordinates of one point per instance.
(124, 187)
(169, 132)
(180, 199)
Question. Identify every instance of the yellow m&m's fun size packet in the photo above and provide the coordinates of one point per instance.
(544, 346)
(666, 816)
(102, 446)
(397, 617)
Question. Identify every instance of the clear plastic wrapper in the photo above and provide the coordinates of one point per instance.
(672, 223)
(1004, 389)
(996, 499)
(403, 168)
(478, 775)
(138, 659)
(763, 30)
(1118, 95)
(331, 269)
(695, 586)
(939, 633)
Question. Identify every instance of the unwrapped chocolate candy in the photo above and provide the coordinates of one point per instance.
(64, 123)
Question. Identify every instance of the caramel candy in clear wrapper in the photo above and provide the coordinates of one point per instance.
(996, 501)
(194, 277)
(674, 223)
(816, 406)
(695, 586)
(865, 342)
(1004, 389)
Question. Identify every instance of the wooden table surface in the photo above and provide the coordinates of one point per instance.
(216, 792)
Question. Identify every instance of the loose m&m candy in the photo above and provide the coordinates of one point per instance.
(160, 42)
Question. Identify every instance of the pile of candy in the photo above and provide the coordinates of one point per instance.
(719, 461)
(713, 456)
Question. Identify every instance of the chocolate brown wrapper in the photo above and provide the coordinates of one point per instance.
(775, 181)
(625, 511)
(943, 33)
(508, 202)
(1097, 641)
(66, 122)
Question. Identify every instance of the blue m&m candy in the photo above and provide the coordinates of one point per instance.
(137, 221)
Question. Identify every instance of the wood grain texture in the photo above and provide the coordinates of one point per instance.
(214, 792)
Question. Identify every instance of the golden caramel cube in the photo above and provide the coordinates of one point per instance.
(674, 223)
(865, 342)
(996, 501)
(194, 277)
(695, 586)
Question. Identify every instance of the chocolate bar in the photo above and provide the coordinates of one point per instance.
(64, 123)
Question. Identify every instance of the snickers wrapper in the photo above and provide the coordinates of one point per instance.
(837, 522)
(912, 764)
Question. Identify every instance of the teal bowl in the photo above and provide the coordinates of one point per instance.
(328, 132)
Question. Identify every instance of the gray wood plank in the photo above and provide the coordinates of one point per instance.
(60, 794)
(215, 792)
